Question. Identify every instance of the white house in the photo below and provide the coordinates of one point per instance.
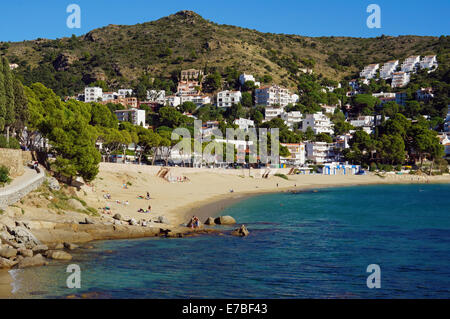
(329, 108)
(291, 118)
(93, 94)
(370, 71)
(173, 100)
(318, 122)
(428, 62)
(388, 68)
(248, 77)
(294, 98)
(272, 95)
(109, 96)
(198, 100)
(272, 112)
(244, 124)
(125, 92)
(320, 152)
(158, 96)
(400, 79)
(298, 154)
(411, 63)
(135, 116)
(228, 98)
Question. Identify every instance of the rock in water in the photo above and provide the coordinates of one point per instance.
(35, 261)
(59, 255)
(117, 216)
(241, 231)
(210, 221)
(225, 220)
(8, 252)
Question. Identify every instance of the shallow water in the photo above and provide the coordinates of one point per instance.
(304, 245)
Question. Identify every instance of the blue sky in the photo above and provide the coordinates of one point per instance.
(31, 19)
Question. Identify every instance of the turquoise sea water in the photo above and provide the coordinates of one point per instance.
(303, 245)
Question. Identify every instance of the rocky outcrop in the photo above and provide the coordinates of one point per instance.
(34, 261)
(117, 216)
(8, 252)
(75, 204)
(225, 220)
(58, 255)
(53, 183)
(241, 231)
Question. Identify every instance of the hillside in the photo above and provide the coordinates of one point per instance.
(120, 54)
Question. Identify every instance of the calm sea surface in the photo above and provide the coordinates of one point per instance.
(314, 244)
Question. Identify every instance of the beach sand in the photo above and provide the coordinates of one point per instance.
(5, 284)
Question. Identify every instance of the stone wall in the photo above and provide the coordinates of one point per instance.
(13, 194)
(14, 160)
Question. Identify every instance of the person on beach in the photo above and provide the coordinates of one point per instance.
(196, 222)
(149, 209)
(192, 222)
(148, 195)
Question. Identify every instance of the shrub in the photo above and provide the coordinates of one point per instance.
(13, 143)
(4, 175)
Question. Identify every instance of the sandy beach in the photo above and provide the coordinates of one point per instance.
(204, 193)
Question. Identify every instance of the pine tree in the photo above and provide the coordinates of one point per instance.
(2, 100)
(21, 106)
(10, 115)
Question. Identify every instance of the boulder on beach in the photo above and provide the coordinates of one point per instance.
(117, 216)
(53, 184)
(59, 246)
(40, 249)
(25, 252)
(209, 221)
(58, 255)
(6, 263)
(34, 261)
(225, 220)
(75, 204)
(241, 231)
(8, 252)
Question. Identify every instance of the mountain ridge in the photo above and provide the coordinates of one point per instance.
(121, 54)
